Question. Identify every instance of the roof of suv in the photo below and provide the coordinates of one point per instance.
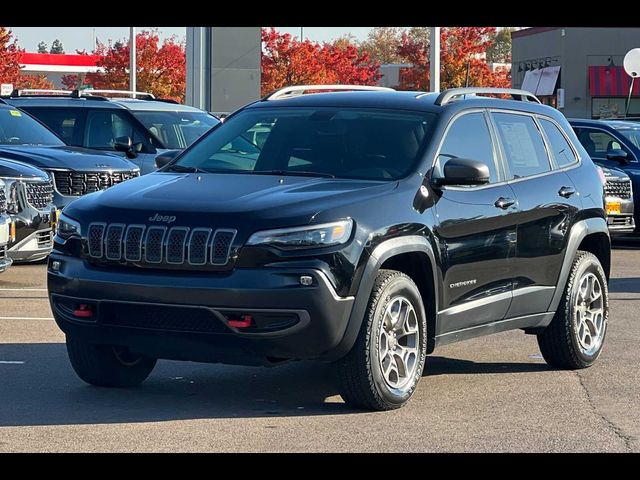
(102, 102)
(403, 100)
(617, 124)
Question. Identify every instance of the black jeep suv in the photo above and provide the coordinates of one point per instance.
(364, 227)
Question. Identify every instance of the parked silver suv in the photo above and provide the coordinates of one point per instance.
(136, 124)
(618, 192)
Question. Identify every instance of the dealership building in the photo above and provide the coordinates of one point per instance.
(577, 70)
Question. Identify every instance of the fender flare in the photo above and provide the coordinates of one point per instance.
(579, 232)
(384, 251)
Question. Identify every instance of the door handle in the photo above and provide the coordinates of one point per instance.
(566, 192)
(504, 203)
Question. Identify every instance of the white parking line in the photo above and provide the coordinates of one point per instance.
(11, 362)
(23, 289)
(26, 318)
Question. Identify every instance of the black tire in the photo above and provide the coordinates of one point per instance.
(559, 343)
(362, 383)
(107, 365)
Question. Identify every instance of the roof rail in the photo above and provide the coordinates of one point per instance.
(39, 92)
(300, 89)
(90, 92)
(448, 95)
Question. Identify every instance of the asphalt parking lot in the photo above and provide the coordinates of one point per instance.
(490, 394)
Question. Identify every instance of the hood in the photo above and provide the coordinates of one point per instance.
(223, 199)
(66, 157)
(13, 169)
(613, 173)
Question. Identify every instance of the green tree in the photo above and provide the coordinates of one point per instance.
(500, 50)
(382, 44)
(56, 47)
(42, 47)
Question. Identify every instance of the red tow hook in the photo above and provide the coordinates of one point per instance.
(83, 311)
(244, 322)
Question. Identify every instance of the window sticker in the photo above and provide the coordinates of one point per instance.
(15, 113)
(518, 142)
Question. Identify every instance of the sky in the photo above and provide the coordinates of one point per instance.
(79, 38)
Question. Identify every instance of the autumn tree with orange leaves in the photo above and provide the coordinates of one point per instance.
(161, 66)
(462, 49)
(288, 61)
(10, 55)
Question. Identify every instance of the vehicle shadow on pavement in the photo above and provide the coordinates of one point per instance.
(625, 243)
(44, 390)
(39, 387)
(447, 366)
(624, 285)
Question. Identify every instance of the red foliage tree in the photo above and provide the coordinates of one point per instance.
(289, 61)
(462, 49)
(10, 66)
(161, 67)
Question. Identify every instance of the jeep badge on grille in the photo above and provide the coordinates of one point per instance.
(162, 218)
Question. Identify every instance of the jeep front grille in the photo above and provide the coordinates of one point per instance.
(3, 252)
(618, 188)
(3, 200)
(74, 183)
(158, 245)
(39, 194)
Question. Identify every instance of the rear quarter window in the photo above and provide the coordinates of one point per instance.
(560, 147)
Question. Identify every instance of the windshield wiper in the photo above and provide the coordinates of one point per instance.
(299, 173)
(184, 169)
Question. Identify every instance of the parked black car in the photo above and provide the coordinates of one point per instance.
(135, 124)
(614, 144)
(368, 228)
(28, 195)
(74, 171)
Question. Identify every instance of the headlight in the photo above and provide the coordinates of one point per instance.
(311, 236)
(67, 228)
(12, 199)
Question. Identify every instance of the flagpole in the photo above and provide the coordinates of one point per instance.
(132, 59)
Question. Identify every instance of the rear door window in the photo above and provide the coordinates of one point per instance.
(522, 144)
(67, 123)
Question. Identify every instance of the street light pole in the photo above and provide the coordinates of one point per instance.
(434, 60)
(132, 59)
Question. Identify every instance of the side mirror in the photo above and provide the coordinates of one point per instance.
(166, 157)
(124, 144)
(464, 171)
(618, 155)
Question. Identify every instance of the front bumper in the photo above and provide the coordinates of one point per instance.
(34, 247)
(184, 316)
(621, 222)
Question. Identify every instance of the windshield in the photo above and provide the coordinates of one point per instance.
(18, 128)
(345, 143)
(176, 130)
(632, 134)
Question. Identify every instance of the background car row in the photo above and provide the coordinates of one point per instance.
(75, 144)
